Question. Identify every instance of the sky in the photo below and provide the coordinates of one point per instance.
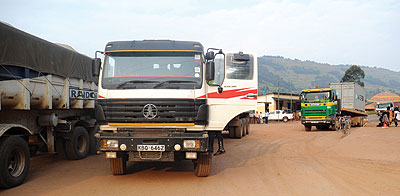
(361, 32)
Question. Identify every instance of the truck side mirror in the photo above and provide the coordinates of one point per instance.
(210, 70)
(96, 63)
(209, 55)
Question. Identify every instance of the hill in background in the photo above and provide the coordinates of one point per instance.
(295, 75)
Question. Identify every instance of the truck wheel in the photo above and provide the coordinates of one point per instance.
(247, 126)
(14, 161)
(118, 165)
(285, 119)
(60, 148)
(337, 124)
(78, 146)
(243, 127)
(307, 127)
(202, 167)
(238, 130)
(92, 139)
(231, 131)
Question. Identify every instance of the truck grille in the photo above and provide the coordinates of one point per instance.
(315, 112)
(168, 110)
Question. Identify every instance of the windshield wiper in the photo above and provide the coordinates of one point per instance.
(135, 81)
(172, 81)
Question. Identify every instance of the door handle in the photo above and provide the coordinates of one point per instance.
(251, 95)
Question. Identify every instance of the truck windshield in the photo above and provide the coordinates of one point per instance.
(316, 96)
(148, 70)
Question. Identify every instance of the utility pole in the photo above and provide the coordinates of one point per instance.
(279, 88)
(291, 96)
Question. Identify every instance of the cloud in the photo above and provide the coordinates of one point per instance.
(354, 32)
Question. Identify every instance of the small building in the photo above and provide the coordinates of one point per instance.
(282, 101)
(370, 106)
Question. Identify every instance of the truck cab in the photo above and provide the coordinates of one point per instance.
(318, 108)
(159, 100)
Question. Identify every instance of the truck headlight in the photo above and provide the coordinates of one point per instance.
(191, 143)
(110, 144)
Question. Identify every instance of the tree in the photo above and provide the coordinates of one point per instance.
(354, 74)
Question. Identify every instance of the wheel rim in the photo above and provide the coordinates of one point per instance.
(16, 163)
(82, 144)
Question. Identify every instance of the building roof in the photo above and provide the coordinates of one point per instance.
(316, 90)
(385, 97)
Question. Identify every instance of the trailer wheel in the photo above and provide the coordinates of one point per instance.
(307, 127)
(202, 167)
(78, 146)
(118, 165)
(247, 126)
(92, 139)
(238, 130)
(60, 148)
(14, 161)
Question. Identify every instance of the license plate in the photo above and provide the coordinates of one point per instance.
(314, 121)
(150, 147)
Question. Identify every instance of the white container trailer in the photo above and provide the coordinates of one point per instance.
(47, 101)
(351, 94)
(352, 99)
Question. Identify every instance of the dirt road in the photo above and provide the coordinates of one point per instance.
(275, 159)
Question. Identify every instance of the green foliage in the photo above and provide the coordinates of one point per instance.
(354, 74)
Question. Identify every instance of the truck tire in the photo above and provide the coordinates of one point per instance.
(238, 130)
(14, 161)
(336, 125)
(60, 148)
(92, 139)
(247, 126)
(307, 127)
(118, 166)
(231, 131)
(285, 119)
(243, 127)
(78, 146)
(202, 167)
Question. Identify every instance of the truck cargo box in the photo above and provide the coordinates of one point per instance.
(351, 95)
(24, 50)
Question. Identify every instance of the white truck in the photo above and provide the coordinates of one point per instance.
(47, 100)
(162, 100)
(280, 115)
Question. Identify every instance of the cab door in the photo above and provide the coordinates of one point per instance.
(234, 89)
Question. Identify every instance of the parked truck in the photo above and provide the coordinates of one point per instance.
(162, 100)
(47, 102)
(322, 107)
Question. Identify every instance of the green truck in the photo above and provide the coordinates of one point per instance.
(321, 107)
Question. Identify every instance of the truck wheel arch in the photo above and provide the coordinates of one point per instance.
(15, 129)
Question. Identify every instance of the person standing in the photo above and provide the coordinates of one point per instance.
(261, 118)
(218, 134)
(396, 115)
(251, 115)
(266, 117)
(257, 116)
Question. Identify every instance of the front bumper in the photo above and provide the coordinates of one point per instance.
(128, 142)
(317, 120)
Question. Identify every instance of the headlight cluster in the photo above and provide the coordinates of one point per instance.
(190, 144)
(110, 144)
